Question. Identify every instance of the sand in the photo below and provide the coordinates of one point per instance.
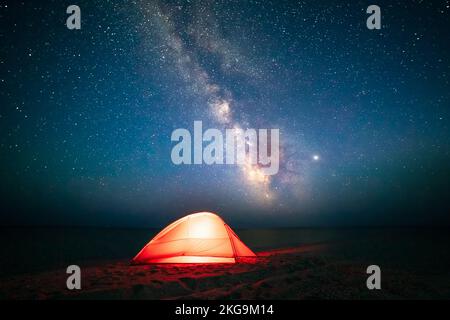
(304, 272)
(291, 264)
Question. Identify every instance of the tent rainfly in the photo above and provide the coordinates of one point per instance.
(196, 238)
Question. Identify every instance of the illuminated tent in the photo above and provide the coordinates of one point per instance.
(196, 238)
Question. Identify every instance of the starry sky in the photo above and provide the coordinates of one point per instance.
(86, 115)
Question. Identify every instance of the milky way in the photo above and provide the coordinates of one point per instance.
(86, 115)
(201, 36)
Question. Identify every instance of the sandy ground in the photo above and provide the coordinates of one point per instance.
(305, 272)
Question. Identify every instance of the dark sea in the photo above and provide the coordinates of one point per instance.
(31, 250)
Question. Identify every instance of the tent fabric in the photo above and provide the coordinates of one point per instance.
(196, 238)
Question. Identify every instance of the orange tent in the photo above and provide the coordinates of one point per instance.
(196, 238)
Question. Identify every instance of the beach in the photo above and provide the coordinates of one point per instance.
(295, 263)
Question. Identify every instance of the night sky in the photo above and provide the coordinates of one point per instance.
(86, 115)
